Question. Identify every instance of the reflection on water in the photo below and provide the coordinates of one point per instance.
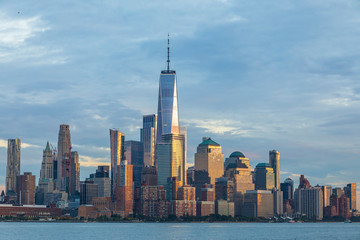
(159, 231)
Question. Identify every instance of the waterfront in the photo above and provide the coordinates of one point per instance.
(33, 230)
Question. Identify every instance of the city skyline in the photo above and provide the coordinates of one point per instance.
(234, 91)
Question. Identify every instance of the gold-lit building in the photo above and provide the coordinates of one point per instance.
(117, 140)
(258, 203)
(171, 159)
(210, 159)
(264, 177)
(274, 161)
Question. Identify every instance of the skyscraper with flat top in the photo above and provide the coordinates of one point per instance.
(117, 140)
(274, 161)
(168, 112)
(148, 138)
(13, 165)
(64, 157)
(171, 159)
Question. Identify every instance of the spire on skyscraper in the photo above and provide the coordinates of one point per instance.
(168, 57)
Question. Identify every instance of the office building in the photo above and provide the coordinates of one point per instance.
(75, 174)
(287, 187)
(101, 178)
(148, 138)
(117, 147)
(46, 180)
(278, 202)
(171, 159)
(350, 192)
(209, 158)
(168, 112)
(274, 161)
(224, 189)
(264, 177)
(326, 195)
(25, 189)
(64, 158)
(134, 155)
(258, 203)
(238, 169)
(88, 191)
(124, 193)
(13, 165)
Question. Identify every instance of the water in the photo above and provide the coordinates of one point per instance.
(162, 231)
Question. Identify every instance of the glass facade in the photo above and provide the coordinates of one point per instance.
(168, 112)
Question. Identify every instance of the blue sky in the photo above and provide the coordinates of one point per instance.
(253, 75)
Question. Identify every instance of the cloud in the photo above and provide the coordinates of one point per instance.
(15, 33)
(4, 144)
(92, 148)
(219, 126)
(86, 161)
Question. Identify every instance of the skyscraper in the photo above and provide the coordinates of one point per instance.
(13, 165)
(46, 180)
(148, 137)
(117, 140)
(350, 191)
(274, 160)
(168, 112)
(75, 173)
(264, 174)
(64, 157)
(134, 154)
(287, 187)
(25, 189)
(210, 158)
(124, 192)
(171, 159)
(309, 201)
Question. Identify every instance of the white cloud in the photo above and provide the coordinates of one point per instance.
(15, 33)
(219, 126)
(4, 144)
(86, 161)
(92, 148)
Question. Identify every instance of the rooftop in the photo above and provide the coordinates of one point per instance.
(237, 154)
(209, 141)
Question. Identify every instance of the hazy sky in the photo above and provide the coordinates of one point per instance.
(253, 75)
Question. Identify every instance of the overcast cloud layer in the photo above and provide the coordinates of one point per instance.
(253, 75)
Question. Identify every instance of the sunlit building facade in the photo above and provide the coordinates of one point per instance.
(117, 148)
(274, 161)
(13, 165)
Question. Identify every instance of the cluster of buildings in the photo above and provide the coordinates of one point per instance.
(150, 178)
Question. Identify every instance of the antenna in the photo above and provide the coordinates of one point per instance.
(168, 59)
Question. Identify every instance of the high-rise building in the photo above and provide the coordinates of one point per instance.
(13, 165)
(274, 161)
(350, 192)
(149, 176)
(287, 187)
(168, 112)
(258, 203)
(171, 159)
(75, 173)
(64, 158)
(46, 180)
(25, 189)
(309, 201)
(101, 178)
(124, 192)
(88, 191)
(209, 158)
(264, 175)
(148, 138)
(134, 155)
(238, 169)
(278, 202)
(326, 195)
(117, 140)
(224, 189)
